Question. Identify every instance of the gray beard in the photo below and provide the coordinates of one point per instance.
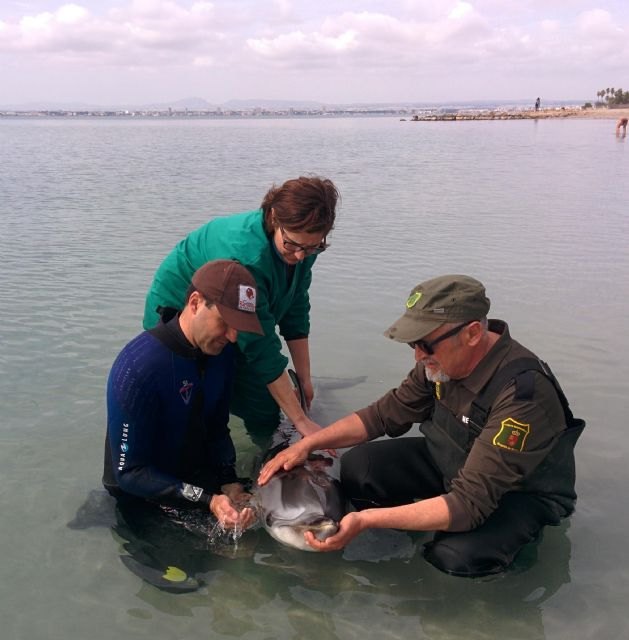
(436, 376)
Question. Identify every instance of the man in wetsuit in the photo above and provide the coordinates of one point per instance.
(495, 461)
(168, 401)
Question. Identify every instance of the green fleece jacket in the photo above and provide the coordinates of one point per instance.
(280, 300)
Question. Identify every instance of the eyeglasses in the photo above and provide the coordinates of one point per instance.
(428, 347)
(309, 250)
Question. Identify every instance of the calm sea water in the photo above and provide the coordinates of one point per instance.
(537, 210)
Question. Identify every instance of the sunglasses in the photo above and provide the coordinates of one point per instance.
(428, 347)
(294, 247)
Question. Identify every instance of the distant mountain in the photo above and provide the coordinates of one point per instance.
(185, 103)
(272, 104)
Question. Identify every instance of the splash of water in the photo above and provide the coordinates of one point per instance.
(217, 534)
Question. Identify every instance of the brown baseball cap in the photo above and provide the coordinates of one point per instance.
(230, 286)
(450, 298)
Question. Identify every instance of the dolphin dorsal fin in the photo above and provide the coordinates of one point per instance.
(295, 380)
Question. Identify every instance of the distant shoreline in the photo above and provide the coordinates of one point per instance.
(443, 114)
(542, 114)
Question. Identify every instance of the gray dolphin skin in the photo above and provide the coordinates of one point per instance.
(306, 498)
(303, 499)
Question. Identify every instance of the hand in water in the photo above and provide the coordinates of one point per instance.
(231, 508)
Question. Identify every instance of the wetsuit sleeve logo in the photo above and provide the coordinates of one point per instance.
(512, 435)
(192, 493)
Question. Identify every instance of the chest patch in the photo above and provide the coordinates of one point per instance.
(512, 435)
(186, 391)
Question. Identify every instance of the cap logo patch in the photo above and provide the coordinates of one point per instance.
(512, 435)
(246, 298)
(413, 299)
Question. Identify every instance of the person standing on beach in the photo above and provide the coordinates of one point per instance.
(538, 102)
(278, 243)
(495, 463)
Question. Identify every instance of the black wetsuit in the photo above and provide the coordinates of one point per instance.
(167, 413)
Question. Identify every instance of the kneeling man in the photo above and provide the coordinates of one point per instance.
(495, 461)
(168, 401)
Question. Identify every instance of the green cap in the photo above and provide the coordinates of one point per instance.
(451, 298)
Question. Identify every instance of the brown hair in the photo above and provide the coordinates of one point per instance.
(305, 204)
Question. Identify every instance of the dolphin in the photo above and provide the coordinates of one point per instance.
(306, 498)
(303, 499)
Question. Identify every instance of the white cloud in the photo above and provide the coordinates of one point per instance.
(139, 33)
(597, 23)
(550, 26)
(461, 10)
(203, 61)
(365, 43)
(381, 40)
(71, 14)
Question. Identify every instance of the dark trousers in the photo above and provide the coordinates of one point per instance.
(395, 472)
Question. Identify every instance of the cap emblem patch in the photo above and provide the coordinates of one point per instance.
(246, 298)
(413, 299)
(512, 435)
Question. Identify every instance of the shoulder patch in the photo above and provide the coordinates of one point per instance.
(512, 435)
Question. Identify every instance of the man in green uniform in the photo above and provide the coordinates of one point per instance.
(495, 461)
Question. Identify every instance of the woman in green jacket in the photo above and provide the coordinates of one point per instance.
(279, 244)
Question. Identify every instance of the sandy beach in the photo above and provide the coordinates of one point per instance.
(542, 114)
(609, 114)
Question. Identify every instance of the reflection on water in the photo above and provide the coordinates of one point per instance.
(537, 211)
(244, 587)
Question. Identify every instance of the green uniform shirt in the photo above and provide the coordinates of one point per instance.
(281, 300)
(518, 435)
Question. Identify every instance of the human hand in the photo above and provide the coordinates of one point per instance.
(229, 514)
(349, 527)
(307, 427)
(241, 500)
(236, 493)
(291, 457)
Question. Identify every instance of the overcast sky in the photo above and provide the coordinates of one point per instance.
(144, 51)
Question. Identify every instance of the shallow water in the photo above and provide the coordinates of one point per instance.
(537, 210)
